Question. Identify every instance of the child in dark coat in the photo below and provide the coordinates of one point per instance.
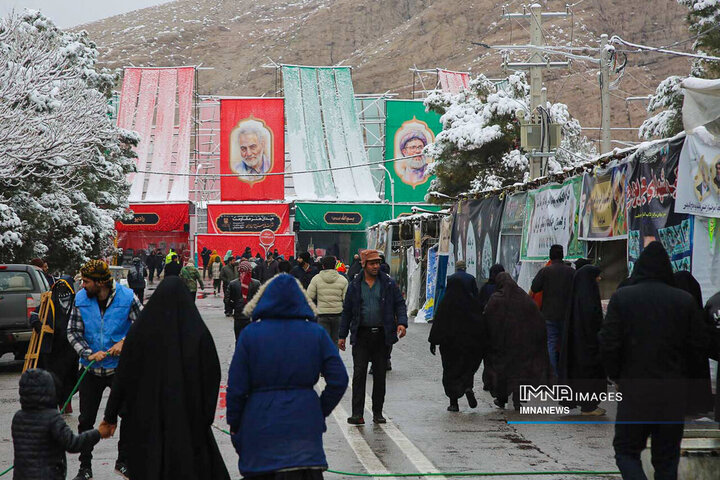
(40, 435)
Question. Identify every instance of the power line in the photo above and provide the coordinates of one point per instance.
(269, 174)
(640, 47)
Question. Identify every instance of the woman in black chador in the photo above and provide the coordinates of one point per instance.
(166, 387)
(699, 392)
(457, 329)
(580, 364)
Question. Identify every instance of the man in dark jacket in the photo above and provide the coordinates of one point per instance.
(266, 269)
(136, 279)
(467, 281)
(355, 267)
(646, 339)
(555, 283)
(375, 315)
(150, 263)
(304, 271)
(40, 435)
(173, 268)
(228, 274)
(205, 255)
(712, 313)
(240, 292)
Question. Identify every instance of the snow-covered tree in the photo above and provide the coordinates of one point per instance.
(479, 146)
(63, 162)
(666, 103)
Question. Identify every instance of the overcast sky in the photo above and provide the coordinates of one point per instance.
(68, 13)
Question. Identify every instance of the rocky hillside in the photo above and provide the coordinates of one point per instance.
(383, 39)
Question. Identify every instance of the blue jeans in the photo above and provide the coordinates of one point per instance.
(554, 340)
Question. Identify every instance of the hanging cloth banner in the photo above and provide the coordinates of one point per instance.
(651, 191)
(431, 282)
(252, 144)
(154, 217)
(325, 138)
(157, 104)
(248, 218)
(408, 129)
(476, 234)
(446, 226)
(602, 205)
(417, 241)
(706, 256)
(453, 82)
(552, 220)
(699, 176)
(285, 244)
(513, 219)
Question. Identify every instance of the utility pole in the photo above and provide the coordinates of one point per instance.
(535, 65)
(604, 95)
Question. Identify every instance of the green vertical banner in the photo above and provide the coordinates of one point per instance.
(408, 129)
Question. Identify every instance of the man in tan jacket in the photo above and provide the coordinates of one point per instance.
(327, 289)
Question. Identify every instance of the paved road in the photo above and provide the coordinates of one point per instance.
(421, 436)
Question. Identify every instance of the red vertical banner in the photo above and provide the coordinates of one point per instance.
(252, 149)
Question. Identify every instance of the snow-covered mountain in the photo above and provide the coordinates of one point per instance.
(382, 39)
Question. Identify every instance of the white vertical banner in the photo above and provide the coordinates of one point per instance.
(698, 191)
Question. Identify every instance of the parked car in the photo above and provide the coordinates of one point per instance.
(20, 289)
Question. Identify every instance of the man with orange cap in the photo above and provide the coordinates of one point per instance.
(375, 316)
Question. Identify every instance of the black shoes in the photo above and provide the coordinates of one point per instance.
(453, 407)
(378, 418)
(121, 469)
(84, 474)
(356, 420)
(472, 401)
(389, 366)
(499, 403)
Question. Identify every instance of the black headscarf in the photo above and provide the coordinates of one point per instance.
(489, 288)
(653, 264)
(168, 380)
(579, 356)
(685, 281)
(699, 393)
(458, 319)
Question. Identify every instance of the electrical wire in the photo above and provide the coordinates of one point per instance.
(269, 174)
(641, 47)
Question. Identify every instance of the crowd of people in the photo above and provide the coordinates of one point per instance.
(652, 347)
(161, 366)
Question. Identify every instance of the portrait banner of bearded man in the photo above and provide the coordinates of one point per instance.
(410, 140)
(251, 155)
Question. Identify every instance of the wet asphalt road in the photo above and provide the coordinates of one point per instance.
(421, 436)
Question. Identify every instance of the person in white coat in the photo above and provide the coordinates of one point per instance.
(327, 289)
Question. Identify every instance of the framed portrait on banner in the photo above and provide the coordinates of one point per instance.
(252, 149)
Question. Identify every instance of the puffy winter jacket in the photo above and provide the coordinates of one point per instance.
(40, 435)
(327, 289)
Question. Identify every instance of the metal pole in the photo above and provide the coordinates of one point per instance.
(605, 140)
(392, 190)
(535, 78)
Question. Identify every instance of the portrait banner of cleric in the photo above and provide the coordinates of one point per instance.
(251, 155)
(410, 140)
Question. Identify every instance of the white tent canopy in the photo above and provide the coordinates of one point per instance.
(701, 106)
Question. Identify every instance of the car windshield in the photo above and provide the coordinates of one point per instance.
(15, 282)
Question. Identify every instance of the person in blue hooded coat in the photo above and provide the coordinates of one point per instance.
(276, 418)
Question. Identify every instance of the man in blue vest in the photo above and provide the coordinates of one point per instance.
(100, 319)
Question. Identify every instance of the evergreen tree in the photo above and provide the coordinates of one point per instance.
(666, 104)
(479, 149)
(63, 162)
